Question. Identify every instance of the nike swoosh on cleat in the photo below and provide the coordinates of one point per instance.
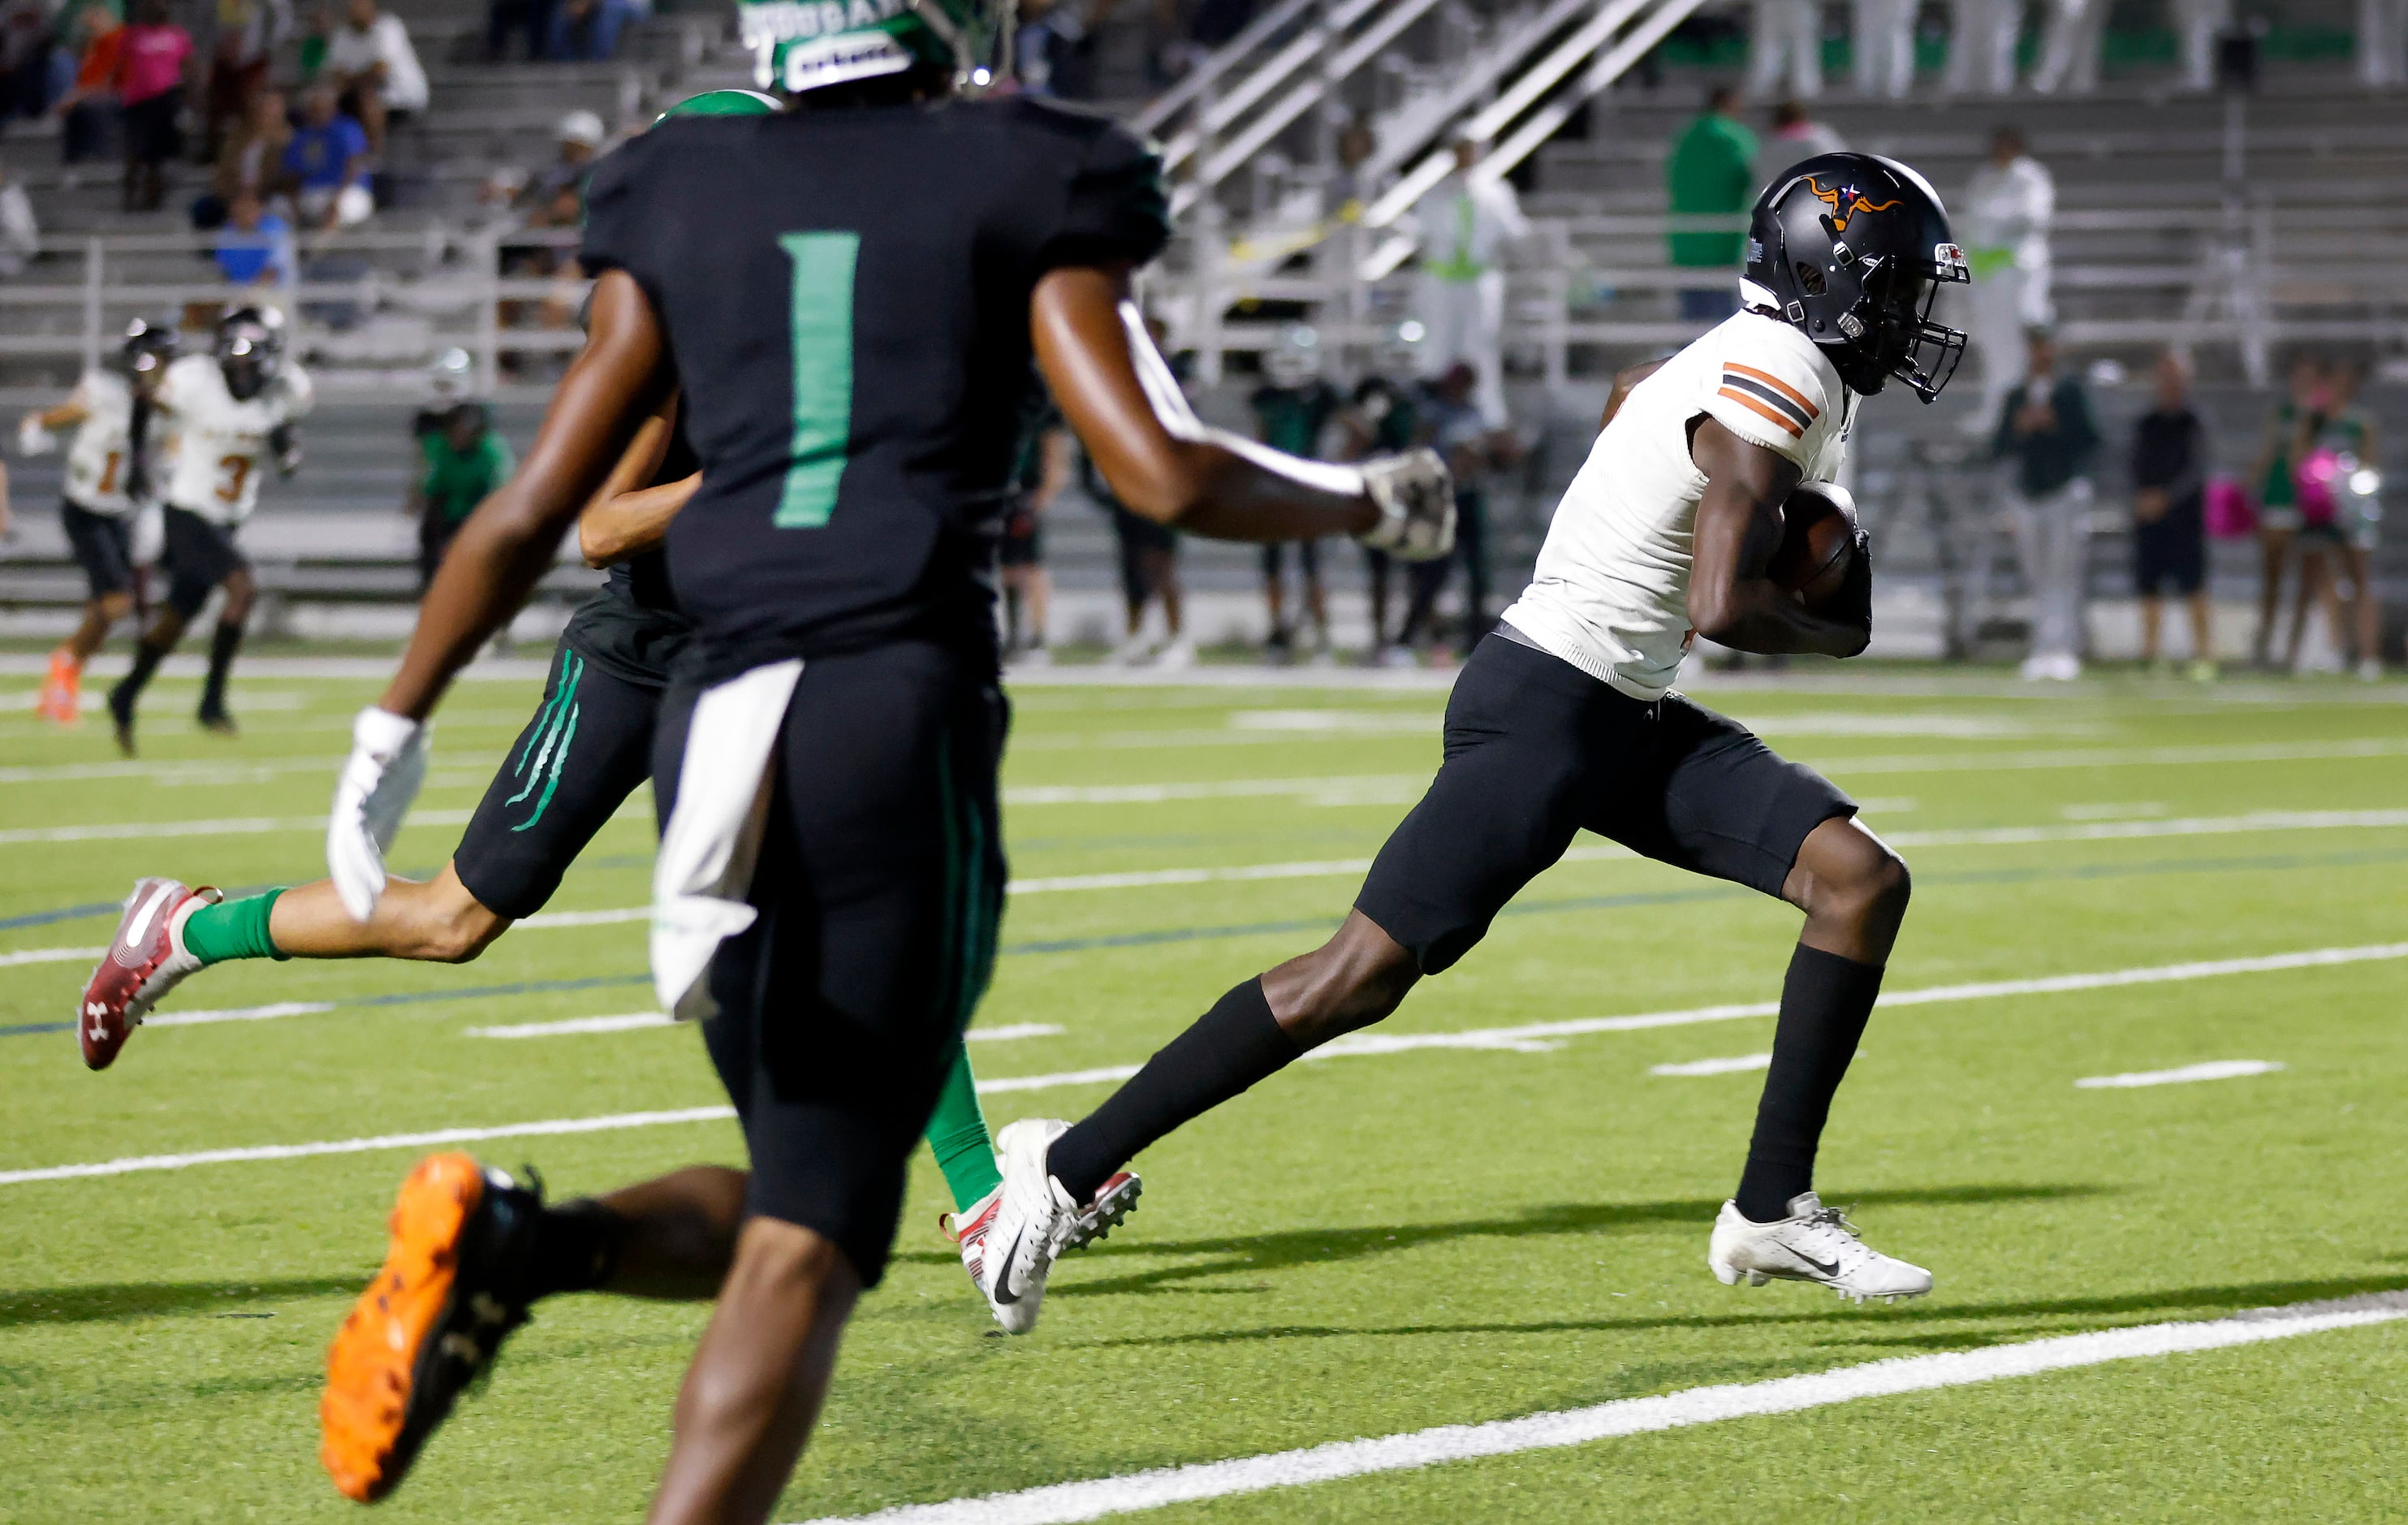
(1830, 1269)
(1003, 1292)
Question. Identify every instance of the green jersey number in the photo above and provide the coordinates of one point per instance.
(823, 343)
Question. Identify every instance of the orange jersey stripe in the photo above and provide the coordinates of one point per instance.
(1748, 402)
(1777, 384)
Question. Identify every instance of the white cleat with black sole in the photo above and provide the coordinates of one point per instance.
(1035, 1222)
(1813, 1244)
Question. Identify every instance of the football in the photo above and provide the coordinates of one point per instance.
(1819, 540)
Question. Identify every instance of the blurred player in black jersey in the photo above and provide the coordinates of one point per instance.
(846, 300)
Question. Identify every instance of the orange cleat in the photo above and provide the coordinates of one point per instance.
(62, 690)
(433, 1319)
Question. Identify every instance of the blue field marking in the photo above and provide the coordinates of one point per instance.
(412, 997)
(65, 912)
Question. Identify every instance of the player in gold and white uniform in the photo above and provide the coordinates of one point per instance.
(107, 485)
(229, 416)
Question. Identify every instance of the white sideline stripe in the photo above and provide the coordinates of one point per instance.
(1148, 794)
(1733, 1066)
(2213, 1069)
(633, 1021)
(2194, 826)
(1532, 1037)
(236, 827)
(52, 955)
(2212, 752)
(546, 919)
(1063, 1503)
(239, 1013)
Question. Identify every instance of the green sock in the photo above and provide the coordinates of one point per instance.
(965, 1150)
(236, 930)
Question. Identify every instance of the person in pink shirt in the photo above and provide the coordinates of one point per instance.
(151, 84)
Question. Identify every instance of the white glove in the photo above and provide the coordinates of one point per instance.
(1415, 494)
(34, 439)
(387, 763)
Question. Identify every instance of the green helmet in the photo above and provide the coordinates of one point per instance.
(799, 45)
(722, 103)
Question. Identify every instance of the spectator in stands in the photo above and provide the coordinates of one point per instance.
(1043, 470)
(1883, 45)
(2334, 439)
(505, 19)
(1472, 452)
(1293, 408)
(255, 246)
(465, 460)
(2272, 475)
(1383, 418)
(2008, 207)
(150, 65)
(1466, 222)
(2171, 455)
(2070, 41)
(1794, 138)
(25, 58)
(249, 34)
(1983, 35)
(2045, 427)
(2201, 24)
(317, 35)
(250, 161)
(20, 235)
(371, 61)
(586, 30)
(1149, 552)
(326, 164)
(91, 115)
(1785, 38)
(1711, 173)
(555, 196)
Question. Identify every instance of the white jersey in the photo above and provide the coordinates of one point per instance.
(1611, 595)
(216, 444)
(100, 459)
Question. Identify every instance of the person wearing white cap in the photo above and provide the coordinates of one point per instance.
(1464, 220)
(370, 58)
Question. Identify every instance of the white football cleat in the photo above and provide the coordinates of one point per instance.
(968, 1230)
(1816, 1244)
(1034, 1222)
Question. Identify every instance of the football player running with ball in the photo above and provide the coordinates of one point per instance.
(229, 413)
(1565, 719)
(845, 297)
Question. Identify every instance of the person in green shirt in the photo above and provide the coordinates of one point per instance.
(1711, 173)
(465, 457)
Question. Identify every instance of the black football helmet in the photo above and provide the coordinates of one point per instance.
(1851, 250)
(149, 348)
(249, 350)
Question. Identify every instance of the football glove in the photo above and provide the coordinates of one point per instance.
(32, 439)
(388, 763)
(287, 445)
(1851, 601)
(1415, 496)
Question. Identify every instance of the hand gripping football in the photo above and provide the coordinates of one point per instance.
(1415, 496)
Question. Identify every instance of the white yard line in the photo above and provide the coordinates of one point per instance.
(2214, 1069)
(636, 1021)
(1096, 1497)
(239, 1013)
(1525, 1038)
(160, 830)
(52, 955)
(1739, 1064)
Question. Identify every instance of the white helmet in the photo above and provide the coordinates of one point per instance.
(453, 372)
(583, 128)
(1295, 357)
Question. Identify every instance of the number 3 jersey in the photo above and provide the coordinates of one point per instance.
(217, 443)
(100, 476)
(1611, 592)
(846, 294)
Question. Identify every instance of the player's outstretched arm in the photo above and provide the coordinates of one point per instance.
(619, 380)
(1733, 601)
(1164, 463)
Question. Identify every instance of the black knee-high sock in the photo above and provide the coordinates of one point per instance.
(1230, 1047)
(576, 1248)
(223, 642)
(1824, 1005)
(148, 654)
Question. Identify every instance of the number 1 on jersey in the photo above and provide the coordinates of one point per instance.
(822, 344)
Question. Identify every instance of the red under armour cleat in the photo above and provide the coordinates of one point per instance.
(145, 960)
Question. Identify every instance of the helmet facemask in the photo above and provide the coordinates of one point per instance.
(1896, 309)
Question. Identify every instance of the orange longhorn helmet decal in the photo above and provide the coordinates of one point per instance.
(1842, 215)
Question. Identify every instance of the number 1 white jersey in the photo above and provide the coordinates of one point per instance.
(100, 458)
(216, 444)
(1610, 592)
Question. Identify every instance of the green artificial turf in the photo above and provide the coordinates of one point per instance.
(1359, 1246)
